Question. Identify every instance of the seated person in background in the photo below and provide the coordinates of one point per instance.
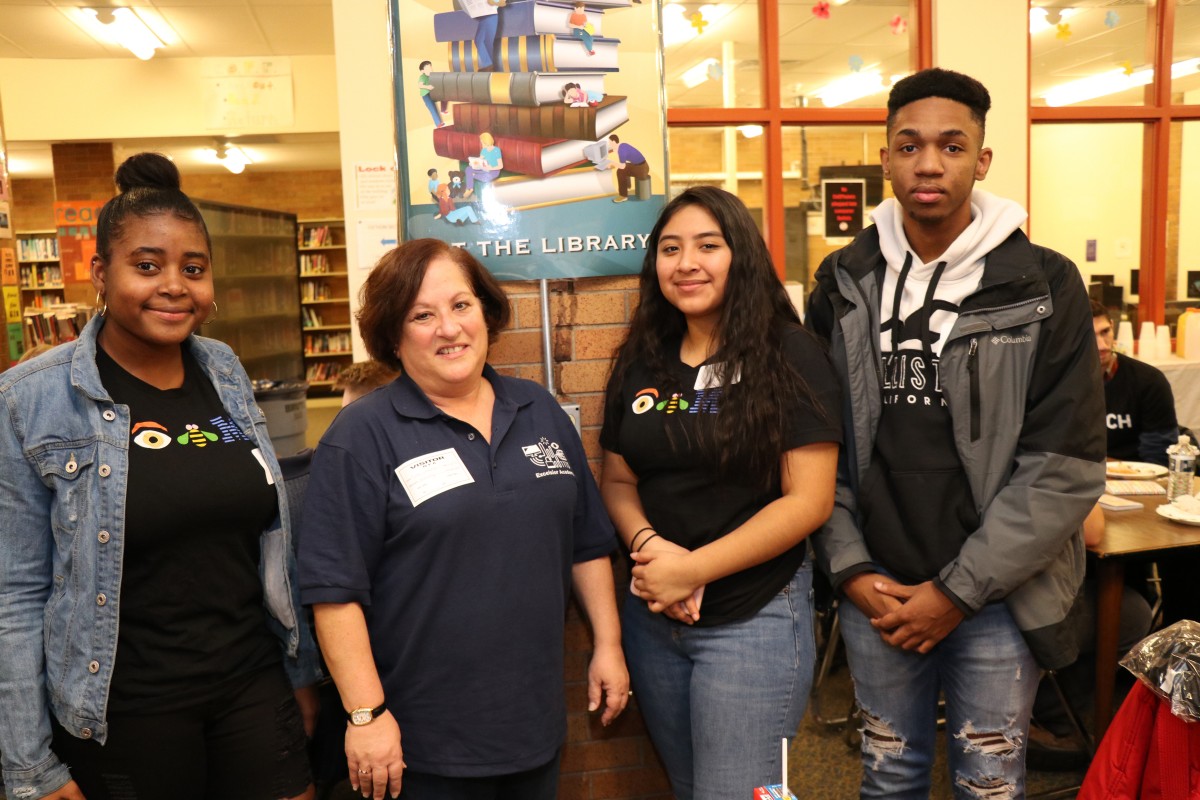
(362, 377)
(1052, 744)
(1139, 404)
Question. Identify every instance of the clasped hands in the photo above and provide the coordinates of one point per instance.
(663, 578)
(909, 617)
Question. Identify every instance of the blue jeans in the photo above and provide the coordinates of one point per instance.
(433, 112)
(718, 700)
(988, 677)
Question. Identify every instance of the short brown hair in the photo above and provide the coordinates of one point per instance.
(391, 289)
(363, 376)
(1100, 310)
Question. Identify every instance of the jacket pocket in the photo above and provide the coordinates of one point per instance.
(68, 471)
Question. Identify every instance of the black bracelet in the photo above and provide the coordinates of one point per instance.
(633, 541)
(648, 538)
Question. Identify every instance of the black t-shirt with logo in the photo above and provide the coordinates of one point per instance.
(652, 427)
(1137, 400)
(198, 498)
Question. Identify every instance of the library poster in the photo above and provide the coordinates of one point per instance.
(8, 266)
(12, 303)
(76, 223)
(532, 132)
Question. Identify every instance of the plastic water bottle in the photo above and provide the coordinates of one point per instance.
(1181, 466)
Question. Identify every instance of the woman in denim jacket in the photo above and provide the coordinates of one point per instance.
(146, 606)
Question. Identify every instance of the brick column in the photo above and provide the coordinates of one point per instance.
(83, 170)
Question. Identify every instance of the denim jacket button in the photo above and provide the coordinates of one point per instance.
(93, 667)
(101, 599)
(104, 470)
(86, 733)
(103, 537)
(109, 414)
(71, 466)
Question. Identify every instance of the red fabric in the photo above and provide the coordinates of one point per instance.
(1147, 754)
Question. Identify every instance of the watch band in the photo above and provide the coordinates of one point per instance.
(359, 716)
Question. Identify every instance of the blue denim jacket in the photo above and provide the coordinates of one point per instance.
(63, 476)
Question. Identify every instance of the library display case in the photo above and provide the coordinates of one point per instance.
(324, 301)
(257, 289)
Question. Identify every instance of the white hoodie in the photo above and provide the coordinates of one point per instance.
(993, 219)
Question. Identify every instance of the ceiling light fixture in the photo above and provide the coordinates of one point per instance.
(1047, 19)
(229, 156)
(698, 74)
(854, 86)
(750, 131)
(120, 26)
(1111, 82)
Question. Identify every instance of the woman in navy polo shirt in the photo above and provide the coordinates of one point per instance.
(721, 436)
(447, 516)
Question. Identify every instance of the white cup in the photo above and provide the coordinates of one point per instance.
(1162, 341)
(1147, 342)
(1124, 341)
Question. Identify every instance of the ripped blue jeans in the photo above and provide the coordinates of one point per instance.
(989, 679)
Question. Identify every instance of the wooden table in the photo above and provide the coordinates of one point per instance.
(1128, 536)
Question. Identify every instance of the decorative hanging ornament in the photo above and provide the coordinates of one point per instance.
(698, 22)
(1127, 67)
(1111, 19)
(856, 63)
(1064, 31)
(821, 10)
(714, 71)
(899, 25)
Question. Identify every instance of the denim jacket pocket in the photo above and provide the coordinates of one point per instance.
(63, 469)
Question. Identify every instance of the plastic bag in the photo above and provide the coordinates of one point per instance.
(1168, 662)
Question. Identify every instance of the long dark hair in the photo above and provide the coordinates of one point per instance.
(746, 437)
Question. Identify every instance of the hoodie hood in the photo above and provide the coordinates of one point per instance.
(930, 293)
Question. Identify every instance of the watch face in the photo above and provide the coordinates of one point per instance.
(360, 716)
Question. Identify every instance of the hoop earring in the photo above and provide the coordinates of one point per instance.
(212, 315)
(100, 306)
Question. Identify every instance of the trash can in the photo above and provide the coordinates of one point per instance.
(286, 408)
(642, 189)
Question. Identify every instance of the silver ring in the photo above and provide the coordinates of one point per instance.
(364, 772)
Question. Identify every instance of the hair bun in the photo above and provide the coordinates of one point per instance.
(151, 170)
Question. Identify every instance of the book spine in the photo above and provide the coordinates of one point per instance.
(526, 54)
(463, 56)
(556, 121)
(523, 156)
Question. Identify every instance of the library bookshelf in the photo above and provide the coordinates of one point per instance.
(39, 273)
(324, 301)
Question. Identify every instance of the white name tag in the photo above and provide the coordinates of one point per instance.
(706, 378)
(429, 475)
(262, 462)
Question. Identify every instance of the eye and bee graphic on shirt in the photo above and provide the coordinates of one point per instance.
(151, 435)
(705, 399)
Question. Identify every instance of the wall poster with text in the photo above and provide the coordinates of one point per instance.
(532, 132)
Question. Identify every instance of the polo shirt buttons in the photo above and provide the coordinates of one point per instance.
(109, 414)
(93, 667)
(471, 437)
(101, 599)
(103, 537)
(104, 470)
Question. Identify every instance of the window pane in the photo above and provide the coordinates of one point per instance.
(849, 59)
(1090, 55)
(1091, 215)
(719, 156)
(810, 154)
(711, 55)
(1185, 58)
(1183, 223)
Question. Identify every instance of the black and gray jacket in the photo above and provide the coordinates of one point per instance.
(1021, 380)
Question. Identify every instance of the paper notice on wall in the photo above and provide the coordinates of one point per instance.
(12, 303)
(375, 238)
(8, 266)
(5, 221)
(247, 93)
(375, 186)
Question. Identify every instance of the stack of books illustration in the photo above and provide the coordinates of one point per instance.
(542, 100)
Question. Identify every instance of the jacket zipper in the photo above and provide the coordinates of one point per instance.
(973, 372)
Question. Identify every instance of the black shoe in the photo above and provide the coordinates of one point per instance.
(1052, 753)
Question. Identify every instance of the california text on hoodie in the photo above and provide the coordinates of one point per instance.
(976, 440)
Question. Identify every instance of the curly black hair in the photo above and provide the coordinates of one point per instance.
(937, 82)
(148, 184)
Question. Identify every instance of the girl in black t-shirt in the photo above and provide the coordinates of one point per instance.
(721, 433)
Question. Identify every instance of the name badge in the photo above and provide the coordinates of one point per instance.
(262, 462)
(429, 475)
(706, 378)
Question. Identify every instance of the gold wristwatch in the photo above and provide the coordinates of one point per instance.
(364, 716)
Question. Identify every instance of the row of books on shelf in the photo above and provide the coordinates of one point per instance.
(336, 342)
(38, 249)
(33, 277)
(317, 290)
(323, 371)
(56, 324)
(45, 299)
(311, 317)
(314, 264)
(316, 236)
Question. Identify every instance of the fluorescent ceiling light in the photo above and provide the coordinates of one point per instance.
(120, 26)
(229, 156)
(677, 20)
(1040, 19)
(750, 131)
(698, 74)
(1111, 82)
(854, 86)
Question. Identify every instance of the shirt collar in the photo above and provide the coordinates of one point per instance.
(410, 401)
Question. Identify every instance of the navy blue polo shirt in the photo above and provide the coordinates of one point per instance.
(460, 553)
